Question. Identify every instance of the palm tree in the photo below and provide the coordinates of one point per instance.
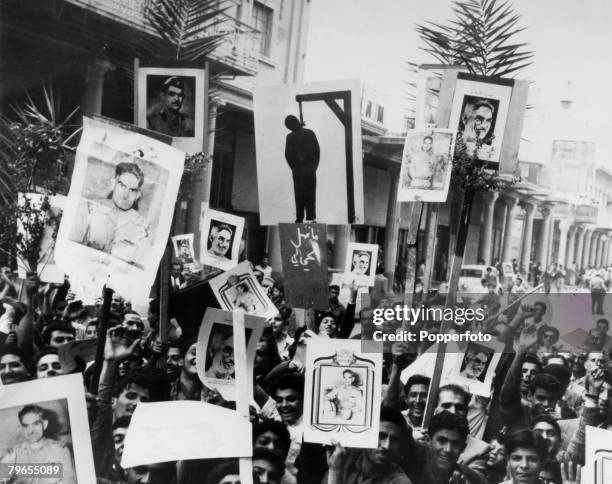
(480, 37)
(185, 28)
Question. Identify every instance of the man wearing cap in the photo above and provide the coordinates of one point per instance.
(302, 153)
(491, 300)
(169, 119)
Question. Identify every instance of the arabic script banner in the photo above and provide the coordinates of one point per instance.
(304, 256)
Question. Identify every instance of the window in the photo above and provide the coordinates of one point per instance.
(262, 21)
(368, 109)
(380, 114)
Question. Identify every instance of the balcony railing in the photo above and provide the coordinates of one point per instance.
(237, 52)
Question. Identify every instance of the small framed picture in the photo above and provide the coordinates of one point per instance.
(183, 248)
(238, 289)
(172, 101)
(476, 368)
(360, 265)
(427, 164)
(50, 416)
(220, 240)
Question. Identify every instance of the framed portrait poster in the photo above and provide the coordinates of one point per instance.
(360, 265)
(476, 367)
(183, 248)
(119, 210)
(238, 289)
(427, 164)
(479, 113)
(172, 101)
(217, 360)
(50, 414)
(220, 238)
(342, 393)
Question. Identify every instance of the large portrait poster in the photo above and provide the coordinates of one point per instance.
(304, 256)
(238, 289)
(427, 164)
(479, 113)
(172, 101)
(309, 155)
(221, 234)
(50, 414)
(342, 393)
(119, 210)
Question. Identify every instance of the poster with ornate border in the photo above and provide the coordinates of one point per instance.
(342, 393)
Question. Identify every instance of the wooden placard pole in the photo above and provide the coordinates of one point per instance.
(415, 210)
(107, 297)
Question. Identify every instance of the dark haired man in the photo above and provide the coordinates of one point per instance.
(113, 225)
(169, 119)
(437, 462)
(303, 153)
(527, 453)
(13, 366)
(380, 465)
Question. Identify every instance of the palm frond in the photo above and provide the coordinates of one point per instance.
(189, 29)
(479, 36)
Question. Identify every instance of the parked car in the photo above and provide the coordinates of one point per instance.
(470, 283)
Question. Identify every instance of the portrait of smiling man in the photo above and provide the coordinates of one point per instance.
(35, 447)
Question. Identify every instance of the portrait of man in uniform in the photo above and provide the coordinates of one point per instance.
(113, 224)
(168, 113)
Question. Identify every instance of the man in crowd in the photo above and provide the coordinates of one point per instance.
(378, 465)
(335, 307)
(47, 364)
(169, 119)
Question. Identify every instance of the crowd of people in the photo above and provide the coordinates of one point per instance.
(531, 429)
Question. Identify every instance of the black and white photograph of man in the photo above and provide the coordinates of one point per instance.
(114, 223)
(37, 442)
(238, 289)
(44, 422)
(343, 402)
(308, 153)
(171, 110)
(478, 125)
(171, 101)
(220, 352)
(475, 363)
(426, 166)
(220, 239)
(119, 209)
(479, 114)
(183, 248)
(475, 368)
(360, 266)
